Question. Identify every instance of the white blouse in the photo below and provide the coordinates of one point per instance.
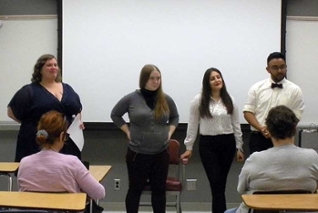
(221, 123)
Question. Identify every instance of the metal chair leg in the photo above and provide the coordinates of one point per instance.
(178, 204)
(9, 180)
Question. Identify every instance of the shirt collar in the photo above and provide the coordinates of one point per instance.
(280, 82)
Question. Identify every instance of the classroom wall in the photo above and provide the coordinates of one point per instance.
(28, 7)
(108, 146)
(182, 38)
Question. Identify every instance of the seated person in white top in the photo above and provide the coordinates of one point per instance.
(51, 171)
(282, 167)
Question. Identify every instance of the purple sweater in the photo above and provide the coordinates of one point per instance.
(49, 171)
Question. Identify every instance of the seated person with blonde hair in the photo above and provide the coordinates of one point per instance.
(282, 167)
(51, 171)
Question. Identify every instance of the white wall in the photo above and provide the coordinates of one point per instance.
(22, 42)
(302, 63)
(106, 43)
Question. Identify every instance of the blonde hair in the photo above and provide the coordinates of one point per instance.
(161, 107)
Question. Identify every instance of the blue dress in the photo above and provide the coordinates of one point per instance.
(30, 103)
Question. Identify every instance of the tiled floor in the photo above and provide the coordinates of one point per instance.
(150, 211)
(191, 207)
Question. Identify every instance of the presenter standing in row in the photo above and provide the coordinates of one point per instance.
(266, 94)
(215, 115)
(45, 93)
(153, 118)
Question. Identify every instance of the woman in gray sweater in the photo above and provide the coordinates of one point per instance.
(153, 118)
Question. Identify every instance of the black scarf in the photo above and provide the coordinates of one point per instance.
(150, 97)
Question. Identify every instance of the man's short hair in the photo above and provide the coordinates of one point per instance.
(281, 122)
(275, 55)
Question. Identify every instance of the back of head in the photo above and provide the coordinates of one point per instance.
(281, 122)
(275, 55)
(50, 127)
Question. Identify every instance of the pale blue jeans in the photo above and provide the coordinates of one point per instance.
(233, 210)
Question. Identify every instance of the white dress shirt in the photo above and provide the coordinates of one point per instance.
(261, 98)
(221, 123)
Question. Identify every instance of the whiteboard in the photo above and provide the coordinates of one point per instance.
(302, 64)
(22, 42)
(106, 43)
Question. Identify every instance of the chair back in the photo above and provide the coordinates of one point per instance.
(294, 191)
(174, 152)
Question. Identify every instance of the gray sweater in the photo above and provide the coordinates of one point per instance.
(148, 135)
(279, 168)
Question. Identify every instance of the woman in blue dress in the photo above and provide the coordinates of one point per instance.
(45, 93)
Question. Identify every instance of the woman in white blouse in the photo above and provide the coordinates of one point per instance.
(215, 114)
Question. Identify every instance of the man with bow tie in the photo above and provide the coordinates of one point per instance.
(266, 94)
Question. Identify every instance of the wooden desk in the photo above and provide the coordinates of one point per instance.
(9, 167)
(38, 200)
(302, 202)
(6, 168)
(99, 171)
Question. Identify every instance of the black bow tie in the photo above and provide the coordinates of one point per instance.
(277, 85)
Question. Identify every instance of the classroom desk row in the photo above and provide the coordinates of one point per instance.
(281, 202)
(77, 201)
(49, 201)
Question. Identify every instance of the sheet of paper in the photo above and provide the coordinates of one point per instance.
(76, 133)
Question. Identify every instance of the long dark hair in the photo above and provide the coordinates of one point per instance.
(206, 95)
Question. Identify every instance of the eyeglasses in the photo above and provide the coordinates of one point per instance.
(276, 68)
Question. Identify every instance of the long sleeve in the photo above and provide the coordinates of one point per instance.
(299, 105)
(237, 126)
(174, 115)
(243, 181)
(119, 110)
(193, 124)
(88, 184)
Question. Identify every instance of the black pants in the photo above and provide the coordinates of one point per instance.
(258, 142)
(217, 153)
(142, 167)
